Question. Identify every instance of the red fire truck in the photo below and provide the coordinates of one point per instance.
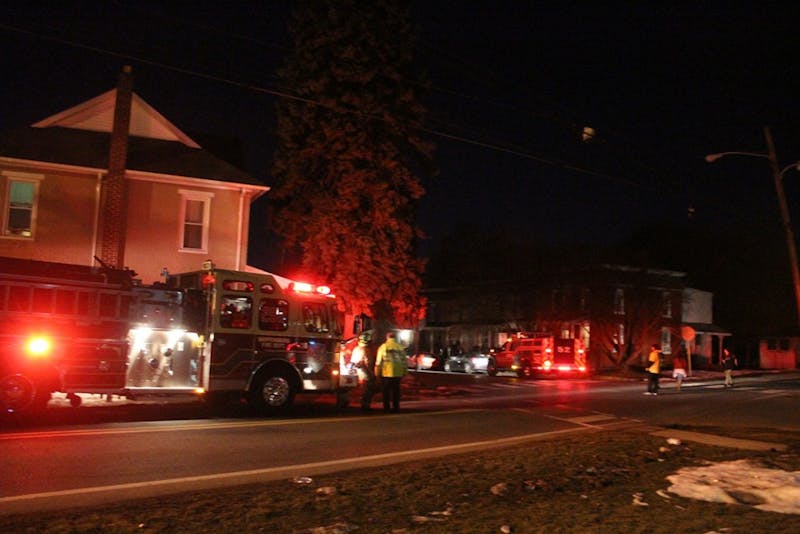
(62, 328)
(531, 353)
(216, 333)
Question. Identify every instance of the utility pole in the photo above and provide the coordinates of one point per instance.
(785, 218)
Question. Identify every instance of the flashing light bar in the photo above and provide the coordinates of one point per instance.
(305, 287)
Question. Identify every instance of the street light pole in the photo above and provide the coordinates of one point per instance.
(791, 245)
(777, 174)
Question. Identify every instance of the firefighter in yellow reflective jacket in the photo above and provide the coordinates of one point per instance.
(391, 367)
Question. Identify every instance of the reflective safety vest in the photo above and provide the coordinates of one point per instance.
(391, 359)
(655, 362)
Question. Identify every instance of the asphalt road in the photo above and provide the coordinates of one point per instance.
(112, 451)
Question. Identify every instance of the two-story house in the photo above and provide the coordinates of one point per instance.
(112, 178)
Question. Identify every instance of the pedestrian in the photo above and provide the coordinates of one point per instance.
(679, 369)
(653, 370)
(391, 367)
(729, 363)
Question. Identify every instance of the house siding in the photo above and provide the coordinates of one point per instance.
(154, 229)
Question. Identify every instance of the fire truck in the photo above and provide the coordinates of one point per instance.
(256, 335)
(63, 328)
(212, 332)
(537, 353)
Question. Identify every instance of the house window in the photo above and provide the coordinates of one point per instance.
(619, 301)
(781, 344)
(666, 341)
(667, 304)
(20, 201)
(195, 216)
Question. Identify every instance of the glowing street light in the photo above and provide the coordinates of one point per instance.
(777, 175)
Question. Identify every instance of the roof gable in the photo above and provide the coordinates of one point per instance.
(97, 115)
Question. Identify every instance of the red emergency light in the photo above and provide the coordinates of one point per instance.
(304, 287)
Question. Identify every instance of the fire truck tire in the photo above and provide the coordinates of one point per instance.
(74, 400)
(271, 393)
(17, 394)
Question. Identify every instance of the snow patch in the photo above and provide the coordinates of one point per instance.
(740, 482)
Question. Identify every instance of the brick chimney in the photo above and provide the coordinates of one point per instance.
(114, 204)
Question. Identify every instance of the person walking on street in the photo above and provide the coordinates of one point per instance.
(729, 363)
(679, 369)
(391, 367)
(654, 370)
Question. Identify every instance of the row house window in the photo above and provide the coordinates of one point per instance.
(20, 198)
(195, 217)
(666, 341)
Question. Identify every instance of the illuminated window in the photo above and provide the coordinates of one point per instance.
(20, 198)
(195, 217)
(666, 341)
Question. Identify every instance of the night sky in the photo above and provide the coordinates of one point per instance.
(513, 85)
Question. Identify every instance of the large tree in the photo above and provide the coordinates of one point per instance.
(349, 153)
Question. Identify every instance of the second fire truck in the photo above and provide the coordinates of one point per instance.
(528, 354)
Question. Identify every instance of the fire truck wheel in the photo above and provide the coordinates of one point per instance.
(271, 393)
(17, 393)
(74, 400)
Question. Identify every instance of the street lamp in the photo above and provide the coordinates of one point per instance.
(777, 175)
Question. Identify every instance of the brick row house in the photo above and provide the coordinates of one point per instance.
(111, 178)
(617, 311)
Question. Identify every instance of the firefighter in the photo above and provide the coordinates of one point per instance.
(654, 370)
(391, 367)
(366, 376)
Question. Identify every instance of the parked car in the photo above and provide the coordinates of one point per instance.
(424, 361)
(470, 362)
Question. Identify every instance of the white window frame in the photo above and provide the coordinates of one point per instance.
(9, 177)
(666, 341)
(197, 196)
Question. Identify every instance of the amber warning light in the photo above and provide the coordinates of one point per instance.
(38, 346)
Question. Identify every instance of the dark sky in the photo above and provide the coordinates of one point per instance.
(514, 83)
